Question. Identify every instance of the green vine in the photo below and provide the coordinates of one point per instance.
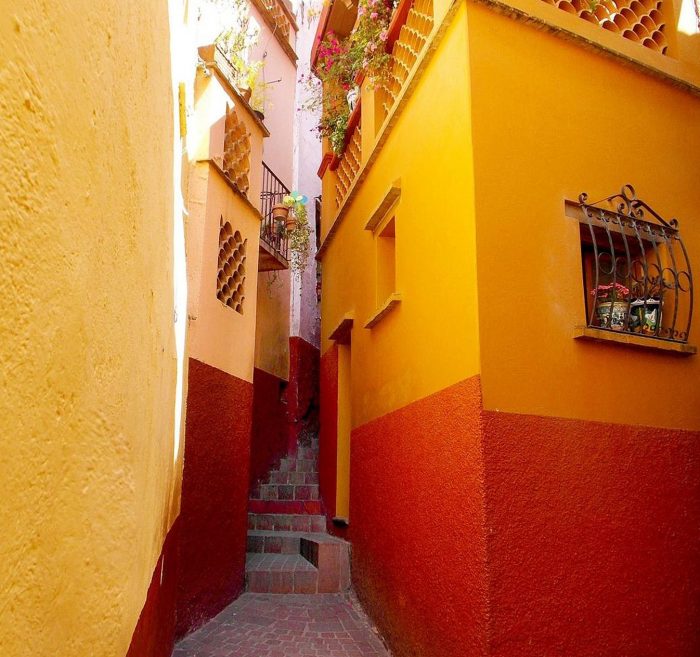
(299, 236)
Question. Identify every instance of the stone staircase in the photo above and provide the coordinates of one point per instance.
(289, 550)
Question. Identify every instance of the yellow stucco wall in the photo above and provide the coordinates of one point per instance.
(430, 340)
(272, 333)
(552, 119)
(86, 298)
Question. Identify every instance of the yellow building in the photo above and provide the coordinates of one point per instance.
(508, 465)
(91, 249)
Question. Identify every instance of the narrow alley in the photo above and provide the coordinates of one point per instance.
(264, 625)
(349, 328)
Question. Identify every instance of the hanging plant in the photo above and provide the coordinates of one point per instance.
(299, 234)
(339, 62)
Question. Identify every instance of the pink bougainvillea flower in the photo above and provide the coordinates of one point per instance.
(374, 15)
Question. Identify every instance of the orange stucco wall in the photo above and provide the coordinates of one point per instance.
(213, 325)
(552, 119)
(490, 533)
(431, 340)
(549, 505)
(328, 435)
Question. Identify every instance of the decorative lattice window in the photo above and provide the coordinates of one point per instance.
(236, 163)
(636, 271)
(230, 282)
(641, 21)
(278, 17)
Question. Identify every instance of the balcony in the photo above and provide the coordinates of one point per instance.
(274, 243)
(412, 26)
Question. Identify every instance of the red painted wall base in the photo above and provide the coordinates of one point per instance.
(417, 525)
(213, 516)
(269, 441)
(594, 538)
(155, 631)
(481, 533)
(283, 410)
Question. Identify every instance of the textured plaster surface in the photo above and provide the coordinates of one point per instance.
(155, 632)
(269, 433)
(430, 341)
(593, 538)
(280, 72)
(303, 391)
(86, 310)
(213, 519)
(521, 536)
(417, 525)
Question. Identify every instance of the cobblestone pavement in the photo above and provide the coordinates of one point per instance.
(267, 625)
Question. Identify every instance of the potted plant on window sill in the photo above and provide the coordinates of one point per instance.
(612, 305)
(645, 315)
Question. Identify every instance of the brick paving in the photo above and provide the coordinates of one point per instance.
(266, 625)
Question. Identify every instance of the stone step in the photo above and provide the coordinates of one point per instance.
(292, 464)
(296, 478)
(274, 570)
(302, 492)
(307, 453)
(286, 522)
(331, 556)
(280, 573)
(274, 542)
(287, 507)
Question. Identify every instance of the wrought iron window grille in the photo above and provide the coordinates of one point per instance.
(636, 270)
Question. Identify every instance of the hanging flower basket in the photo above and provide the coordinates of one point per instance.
(280, 212)
(291, 222)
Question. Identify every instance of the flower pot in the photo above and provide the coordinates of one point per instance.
(645, 317)
(352, 96)
(291, 222)
(280, 212)
(612, 314)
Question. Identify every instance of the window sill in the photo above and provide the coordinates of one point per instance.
(632, 340)
(391, 303)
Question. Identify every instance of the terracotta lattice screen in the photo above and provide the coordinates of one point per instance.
(236, 163)
(230, 282)
(641, 21)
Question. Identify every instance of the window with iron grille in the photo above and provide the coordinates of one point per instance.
(636, 271)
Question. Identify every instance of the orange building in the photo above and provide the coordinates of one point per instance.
(510, 410)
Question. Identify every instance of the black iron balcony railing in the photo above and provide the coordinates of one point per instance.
(273, 233)
(636, 269)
